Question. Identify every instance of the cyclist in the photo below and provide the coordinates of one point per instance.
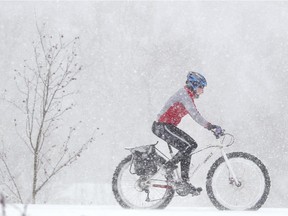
(179, 105)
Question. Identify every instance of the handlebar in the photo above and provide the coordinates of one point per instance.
(224, 136)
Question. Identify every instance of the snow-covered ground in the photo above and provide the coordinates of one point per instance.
(77, 210)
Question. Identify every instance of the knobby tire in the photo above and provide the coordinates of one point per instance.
(246, 156)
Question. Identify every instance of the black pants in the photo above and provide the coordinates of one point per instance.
(179, 140)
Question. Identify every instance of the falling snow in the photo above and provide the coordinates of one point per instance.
(135, 55)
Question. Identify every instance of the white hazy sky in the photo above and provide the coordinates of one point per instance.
(135, 55)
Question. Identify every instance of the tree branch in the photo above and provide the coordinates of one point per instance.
(11, 177)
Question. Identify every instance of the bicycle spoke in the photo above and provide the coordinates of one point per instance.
(224, 193)
(132, 189)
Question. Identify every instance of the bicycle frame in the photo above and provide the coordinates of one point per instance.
(220, 147)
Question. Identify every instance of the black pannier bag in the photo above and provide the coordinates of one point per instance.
(145, 160)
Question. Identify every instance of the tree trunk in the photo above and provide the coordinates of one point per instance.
(34, 186)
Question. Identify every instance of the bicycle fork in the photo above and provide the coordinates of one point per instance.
(230, 168)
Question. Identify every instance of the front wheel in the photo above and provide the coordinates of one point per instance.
(253, 185)
(133, 191)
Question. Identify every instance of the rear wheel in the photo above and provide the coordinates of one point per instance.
(133, 191)
(252, 189)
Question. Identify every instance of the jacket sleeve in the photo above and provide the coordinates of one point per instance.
(193, 112)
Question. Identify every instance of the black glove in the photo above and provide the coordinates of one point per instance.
(211, 126)
(217, 130)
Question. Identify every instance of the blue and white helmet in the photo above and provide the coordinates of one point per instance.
(195, 80)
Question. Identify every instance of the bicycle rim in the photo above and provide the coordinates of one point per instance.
(133, 195)
(254, 183)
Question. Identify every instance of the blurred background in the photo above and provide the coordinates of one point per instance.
(135, 55)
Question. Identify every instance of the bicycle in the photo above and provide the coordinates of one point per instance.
(235, 181)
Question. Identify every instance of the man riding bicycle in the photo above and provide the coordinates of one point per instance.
(179, 105)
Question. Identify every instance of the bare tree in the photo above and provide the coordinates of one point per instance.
(45, 85)
(8, 180)
(3, 205)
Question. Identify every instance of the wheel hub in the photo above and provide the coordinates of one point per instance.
(238, 184)
(141, 184)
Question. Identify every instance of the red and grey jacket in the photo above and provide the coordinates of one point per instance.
(179, 105)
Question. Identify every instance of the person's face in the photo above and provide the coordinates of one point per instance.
(200, 90)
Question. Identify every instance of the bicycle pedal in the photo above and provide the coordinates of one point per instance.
(196, 191)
